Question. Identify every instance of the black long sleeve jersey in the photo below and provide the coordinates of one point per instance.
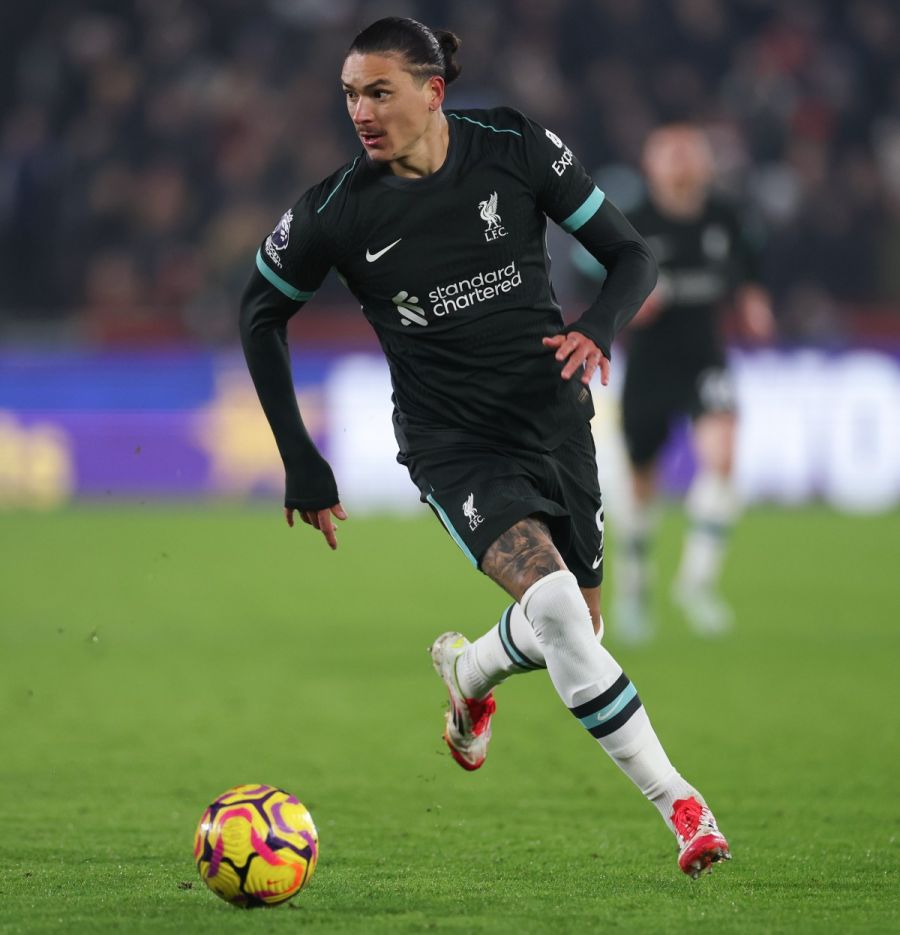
(702, 260)
(452, 271)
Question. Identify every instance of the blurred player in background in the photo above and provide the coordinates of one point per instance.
(677, 367)
(438, 228)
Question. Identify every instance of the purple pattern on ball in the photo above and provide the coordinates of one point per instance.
(279, 820)
(311, 841)
(216, 860)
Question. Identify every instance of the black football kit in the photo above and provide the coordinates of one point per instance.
(677, 362)
(452, 272)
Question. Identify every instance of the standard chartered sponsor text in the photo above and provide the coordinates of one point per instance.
(479, 288)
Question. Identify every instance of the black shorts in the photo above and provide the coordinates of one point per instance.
(659, 391)
(479, 491)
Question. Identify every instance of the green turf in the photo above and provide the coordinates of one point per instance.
(149, 659)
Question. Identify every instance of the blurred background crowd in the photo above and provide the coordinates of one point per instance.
(147, 147)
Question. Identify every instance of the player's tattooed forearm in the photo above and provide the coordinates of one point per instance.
(521, 556)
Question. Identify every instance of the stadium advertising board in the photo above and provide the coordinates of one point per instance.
(814, 425)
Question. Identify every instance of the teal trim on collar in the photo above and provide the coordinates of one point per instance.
(486, 126)
(582, 215)
(336, 187)
(280, 284)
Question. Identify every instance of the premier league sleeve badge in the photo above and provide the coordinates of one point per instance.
(277, 241)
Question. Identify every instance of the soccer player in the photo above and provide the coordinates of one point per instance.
(677, 368)
(438, 228)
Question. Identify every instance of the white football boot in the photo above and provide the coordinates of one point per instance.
(700, 842)
(467, 730)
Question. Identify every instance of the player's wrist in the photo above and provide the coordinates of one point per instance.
(310, 486)
(596, 334)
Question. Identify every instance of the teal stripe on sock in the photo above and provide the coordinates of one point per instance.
(505, 638)
(449, 527)
(611, 710)
(503, 630)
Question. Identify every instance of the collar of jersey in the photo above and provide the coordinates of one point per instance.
(436, 179)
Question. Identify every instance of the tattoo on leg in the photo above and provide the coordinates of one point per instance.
(521, 556)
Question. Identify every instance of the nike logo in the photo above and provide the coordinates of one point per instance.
(597, 561)
(372, 257)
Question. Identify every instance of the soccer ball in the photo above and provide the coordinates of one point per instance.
(256, 846)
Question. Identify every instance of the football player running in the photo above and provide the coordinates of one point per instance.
(677, 367)
(437, 227)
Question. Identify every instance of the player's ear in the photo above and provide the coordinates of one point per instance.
(436, 87)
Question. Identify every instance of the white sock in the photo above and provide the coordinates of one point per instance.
(636, 527)
(508, 648)
(596, 690)
(712, 507)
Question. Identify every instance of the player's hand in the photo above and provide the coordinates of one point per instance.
(579, 351)
(319, 519)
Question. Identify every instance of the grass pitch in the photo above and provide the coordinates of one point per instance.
(151, 659)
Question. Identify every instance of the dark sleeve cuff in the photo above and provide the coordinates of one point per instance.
(600, 332)
(311, 485)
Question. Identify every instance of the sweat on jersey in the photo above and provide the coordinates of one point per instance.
(452, 271)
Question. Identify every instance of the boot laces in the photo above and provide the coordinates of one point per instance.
(687, 815)
(480, 711)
